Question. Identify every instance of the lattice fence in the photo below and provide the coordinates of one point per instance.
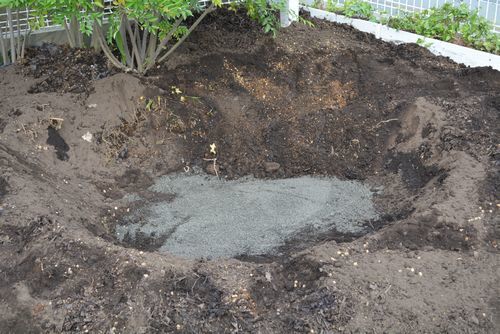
(22, 23)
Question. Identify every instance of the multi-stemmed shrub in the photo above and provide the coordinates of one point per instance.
(135, 35)
(12, 47)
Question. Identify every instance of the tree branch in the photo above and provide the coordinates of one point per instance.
(75, 30)
(209, 9)
(12, 41)
(26, 36)
(145, 35)
(165, 40)
(18, 22)
(153, 41)
(106, 50)
(135, 50)
(123, 35)
(71, 40)
(5, 56)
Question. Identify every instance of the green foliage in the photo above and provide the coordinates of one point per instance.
(457, 24)
(350, 8)
(451, 24)
(62, 11)
(264, 12)
(422, 42)
(140, 33)
(14, 4)
(305, 22)
(358, 9)
(156, 16)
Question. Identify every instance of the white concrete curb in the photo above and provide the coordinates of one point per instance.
(457, 53)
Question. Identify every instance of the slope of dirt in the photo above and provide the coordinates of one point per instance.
(421, 131)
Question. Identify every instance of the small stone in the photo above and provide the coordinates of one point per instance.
(271, 167)
(123, 154)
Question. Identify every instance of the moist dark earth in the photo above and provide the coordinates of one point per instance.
(421, 130)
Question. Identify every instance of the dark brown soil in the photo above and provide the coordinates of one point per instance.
(64, 69)
(421, 130)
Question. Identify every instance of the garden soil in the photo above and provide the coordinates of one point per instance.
(79, 140)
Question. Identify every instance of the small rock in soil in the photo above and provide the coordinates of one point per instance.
(337, 264)
(271, 167)
(123, 154)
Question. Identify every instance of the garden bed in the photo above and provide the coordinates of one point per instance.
(460, 54)
(88, 151)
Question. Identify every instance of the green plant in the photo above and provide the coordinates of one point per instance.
(451, 23)
(146, 32)
(424, 43)
(140, 33)
(315, 4)
(264, 12)
(358, 9)
(305, 22)
(77, 17)
(331, 6)
(350, 8)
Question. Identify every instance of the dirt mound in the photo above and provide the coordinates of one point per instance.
(63, 69)
(419, 131)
